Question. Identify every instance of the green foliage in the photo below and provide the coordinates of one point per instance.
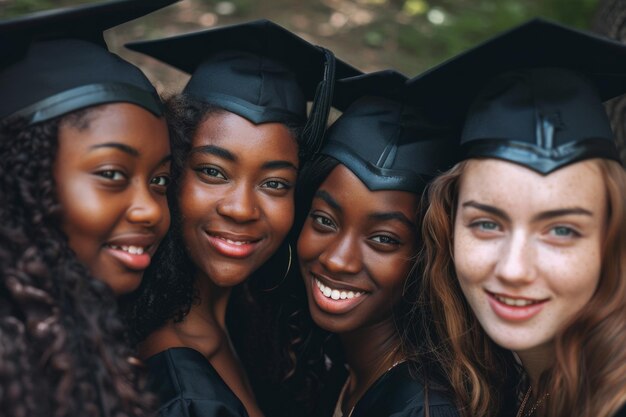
(468, 22)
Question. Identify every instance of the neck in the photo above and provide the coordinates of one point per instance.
(213, 301)
(536, 360)
(370, 352)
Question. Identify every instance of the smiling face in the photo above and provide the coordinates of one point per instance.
(237, 195)
(356, 250)
(527, 247)
(111, 175)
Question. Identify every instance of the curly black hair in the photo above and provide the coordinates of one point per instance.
(62, 343)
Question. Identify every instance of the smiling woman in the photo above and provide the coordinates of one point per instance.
(524, 240)
(240, 128)
(84, 165)
(112, 191)
(358, 251)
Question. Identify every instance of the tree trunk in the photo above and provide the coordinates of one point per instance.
(610, 20)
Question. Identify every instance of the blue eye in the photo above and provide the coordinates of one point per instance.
(486, 225)
(563, 231)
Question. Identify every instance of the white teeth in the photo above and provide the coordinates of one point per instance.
(235, 242)
(133, 250)
(336, 294)
(514, 302)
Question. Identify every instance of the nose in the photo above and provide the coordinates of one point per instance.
(515, 265)
(343, 255)
(147, 208)
(240, 204)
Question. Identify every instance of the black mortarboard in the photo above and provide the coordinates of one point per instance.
(258, 70)
(532, 95)
(385, 141)
(58, 62)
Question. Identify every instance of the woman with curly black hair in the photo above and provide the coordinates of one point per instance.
(238, 131)
(83, 171)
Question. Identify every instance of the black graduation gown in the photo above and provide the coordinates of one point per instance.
(398, 394)
(188, 386)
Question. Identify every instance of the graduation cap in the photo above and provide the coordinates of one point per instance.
(532, 95)
(257, 70)
(384, 140)
(57, 62)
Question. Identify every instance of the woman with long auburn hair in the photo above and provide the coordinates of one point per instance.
(524, 241)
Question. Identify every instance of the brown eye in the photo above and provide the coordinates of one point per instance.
(112, 174)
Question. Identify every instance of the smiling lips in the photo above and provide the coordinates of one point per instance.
(231, 246)
(515, 308)
(133, 257)
(335, 298)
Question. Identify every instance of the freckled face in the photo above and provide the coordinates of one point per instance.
(236, 195)
(527, 247)
(356, 250)
(111, 180)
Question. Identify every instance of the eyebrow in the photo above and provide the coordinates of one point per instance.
(393, 215)
(324, 195)
(541, 216)
(215, 150)
(120, 146)
(489, 209)
(562, 212)
(278, 165)
(226, 154)
(165, 160)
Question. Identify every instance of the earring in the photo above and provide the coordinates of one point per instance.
(286, 272)
(288, 263)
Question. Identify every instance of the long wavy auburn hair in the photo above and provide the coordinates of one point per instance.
(62, 344)
(588, 378)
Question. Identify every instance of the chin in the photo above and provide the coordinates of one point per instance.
(124, 283)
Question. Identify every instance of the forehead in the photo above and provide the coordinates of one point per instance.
(506, 184)
(122, 123)
(354, 196)
(239, 135)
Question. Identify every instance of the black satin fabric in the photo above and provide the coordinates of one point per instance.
(398, 394)
(188, 386)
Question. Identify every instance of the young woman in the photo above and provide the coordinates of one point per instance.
(84, 168)
(524, 240)
(358, 248)
(239, 128)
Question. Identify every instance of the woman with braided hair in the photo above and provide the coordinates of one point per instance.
(83, 172)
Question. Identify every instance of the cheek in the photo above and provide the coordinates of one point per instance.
(470, 257)
(280, 216)
(574, 274)
(308, 244)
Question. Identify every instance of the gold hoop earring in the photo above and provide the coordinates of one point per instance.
(288, 264)
(286, 272)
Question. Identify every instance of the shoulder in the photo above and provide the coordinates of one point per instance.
(182, 378)
(399, 393)
(172, 335)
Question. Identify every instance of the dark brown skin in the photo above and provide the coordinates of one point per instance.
(238, 185)
(360, 241)
(112, 174)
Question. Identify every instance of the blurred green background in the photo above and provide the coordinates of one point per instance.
(408, 35)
